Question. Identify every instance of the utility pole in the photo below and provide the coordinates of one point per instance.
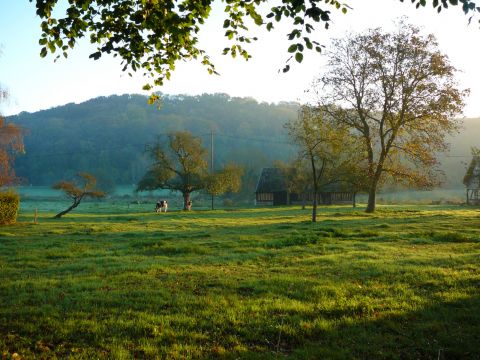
(211, 158)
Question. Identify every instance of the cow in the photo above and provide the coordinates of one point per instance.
(161, 205)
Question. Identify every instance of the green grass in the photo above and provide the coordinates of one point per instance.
(265, 283)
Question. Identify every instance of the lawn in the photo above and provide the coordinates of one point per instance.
(114, 282)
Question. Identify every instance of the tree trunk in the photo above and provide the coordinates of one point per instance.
(371, 199)
(187, 204)
(73, 206)
(354, 200)
(314, 209)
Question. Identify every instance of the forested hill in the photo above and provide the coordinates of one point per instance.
(107, 135)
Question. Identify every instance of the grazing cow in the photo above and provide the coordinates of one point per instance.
(161, 205)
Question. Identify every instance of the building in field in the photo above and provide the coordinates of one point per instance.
(471, 181)
(272, 190)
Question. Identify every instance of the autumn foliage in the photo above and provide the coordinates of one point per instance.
(11, 143)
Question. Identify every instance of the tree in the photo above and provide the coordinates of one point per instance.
(180, 164)
(78, 190)
(297, 178)
(397, 93)
(153, 35)
(228, 179)
(327, 147)
(11, 144)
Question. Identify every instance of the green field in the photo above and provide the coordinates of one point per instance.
(119, 282)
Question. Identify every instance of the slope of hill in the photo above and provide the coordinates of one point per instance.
(108, 136)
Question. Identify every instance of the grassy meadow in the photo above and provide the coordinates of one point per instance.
(121, 282)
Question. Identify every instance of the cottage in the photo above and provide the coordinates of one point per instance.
(472, 181)
(272, 190)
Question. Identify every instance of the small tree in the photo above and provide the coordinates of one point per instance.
(77, 190)
(328, 148)
(297, 177)
(228, 179)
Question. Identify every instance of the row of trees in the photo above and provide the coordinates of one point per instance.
(386, 102)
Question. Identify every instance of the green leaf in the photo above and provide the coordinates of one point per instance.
(292, 48)
(299, 57)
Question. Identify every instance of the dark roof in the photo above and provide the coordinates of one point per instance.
(472, 176)
(271, 180)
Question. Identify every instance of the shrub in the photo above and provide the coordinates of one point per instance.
(9, 204)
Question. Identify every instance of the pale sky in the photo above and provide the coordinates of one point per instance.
(35, 83)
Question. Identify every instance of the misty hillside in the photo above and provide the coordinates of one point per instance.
(108, 136)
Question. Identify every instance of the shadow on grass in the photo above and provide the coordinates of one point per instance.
(180, 328)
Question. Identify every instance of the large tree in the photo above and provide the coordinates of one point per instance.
(153, 35)
(326, 148)
(180, 164)
(396, 92)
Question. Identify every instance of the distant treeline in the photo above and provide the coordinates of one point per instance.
(108, 136)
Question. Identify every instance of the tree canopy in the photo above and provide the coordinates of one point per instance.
(327, 151)
(11, 143)
(152, 35)
(396, 92)
(180, 164)
(82, 187)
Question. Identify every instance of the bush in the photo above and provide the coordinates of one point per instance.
(9, 204)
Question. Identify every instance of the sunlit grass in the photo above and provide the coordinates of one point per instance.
(252, 283)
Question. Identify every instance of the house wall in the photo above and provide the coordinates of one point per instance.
(272, 198)
(264, 199)
(282, 198)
